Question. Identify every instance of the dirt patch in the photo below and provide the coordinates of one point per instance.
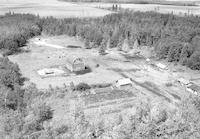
(53, 71)
(133, 57)
(73, 46)
(106, 95)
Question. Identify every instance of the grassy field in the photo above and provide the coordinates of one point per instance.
(151, 7)
(161, 2)
(149, 83)
(50, 8)
(113, 66)
(45, 56)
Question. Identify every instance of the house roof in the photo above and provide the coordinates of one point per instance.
(125, 81)
(194, 87)
(74, 60)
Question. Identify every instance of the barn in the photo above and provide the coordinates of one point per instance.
(75, 65)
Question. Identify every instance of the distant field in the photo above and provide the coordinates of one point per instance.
(50, 8)
(61, 9)
(161, 2)
(152, 7)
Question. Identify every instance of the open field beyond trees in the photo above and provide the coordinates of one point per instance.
(53, 8)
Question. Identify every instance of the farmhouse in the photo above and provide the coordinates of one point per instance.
(123, 82)
(195, 89)
(75, 65)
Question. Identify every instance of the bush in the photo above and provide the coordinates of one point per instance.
(194, 61)
(82, 87)
(169, 84)
(61, 130)
(43, 113)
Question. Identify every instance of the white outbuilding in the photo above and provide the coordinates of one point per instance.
(123, 82)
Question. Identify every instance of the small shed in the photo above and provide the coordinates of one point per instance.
(161, 66)
(195, 89)
(123, 82)
(183, 81)
(76, 64)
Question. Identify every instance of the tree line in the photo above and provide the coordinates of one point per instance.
(160, 2)
(174, 38)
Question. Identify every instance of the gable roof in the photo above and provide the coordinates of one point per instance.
(74, 60)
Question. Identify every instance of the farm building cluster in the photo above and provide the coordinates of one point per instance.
(72, 65)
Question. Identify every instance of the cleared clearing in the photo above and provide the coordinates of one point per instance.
(149, 82)
(50, 52)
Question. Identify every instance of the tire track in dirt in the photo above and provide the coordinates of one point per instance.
(148, 88)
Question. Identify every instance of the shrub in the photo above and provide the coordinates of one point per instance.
(168, 84)
(82, 87)
(61, 130)
(43, 113)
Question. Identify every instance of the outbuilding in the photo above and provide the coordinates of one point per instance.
(161, 66)
(183, 81)
(76, 64)
(123, 82)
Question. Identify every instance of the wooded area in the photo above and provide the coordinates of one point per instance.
(15, 30)
(174, 38)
